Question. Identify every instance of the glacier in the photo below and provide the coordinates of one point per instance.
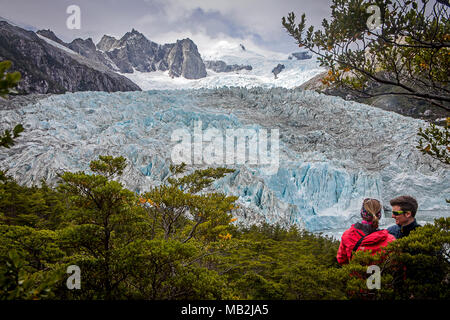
(333, 153)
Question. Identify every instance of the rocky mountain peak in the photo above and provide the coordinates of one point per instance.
(85, 44)
(187, 40)
(106, 43)
(188, 44)
(133, 51)
(185, 60)
(49, 34)
(133, 35)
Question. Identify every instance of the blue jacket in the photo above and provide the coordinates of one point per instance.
(400, 232)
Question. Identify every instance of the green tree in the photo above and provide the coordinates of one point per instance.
(27, 263)
(103, 219)
(177, 241)
(146, 247)
(38, 207)
(189, 226)
(17, 283)
(181, 210)
(420, 263)
(409, 51)
(271, 262)
(169, 269)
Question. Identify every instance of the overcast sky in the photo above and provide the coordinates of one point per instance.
(163, 21)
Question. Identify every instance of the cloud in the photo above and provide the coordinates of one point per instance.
(207, 45)
(261, 16)
(257, 20)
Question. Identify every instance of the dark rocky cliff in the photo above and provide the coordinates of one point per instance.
(47, 69)
(396, 103)
(184, 60)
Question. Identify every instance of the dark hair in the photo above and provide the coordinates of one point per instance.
(406, 203)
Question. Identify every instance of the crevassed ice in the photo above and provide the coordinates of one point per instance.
(333, 152)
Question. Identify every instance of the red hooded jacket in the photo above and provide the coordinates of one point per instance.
(373, 241)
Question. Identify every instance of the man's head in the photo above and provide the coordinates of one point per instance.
(404, 210)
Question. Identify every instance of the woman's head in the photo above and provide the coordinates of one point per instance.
(371, 211)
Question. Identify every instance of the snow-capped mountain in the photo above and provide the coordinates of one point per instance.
(181, 65)
(262, 62)
(332, 152)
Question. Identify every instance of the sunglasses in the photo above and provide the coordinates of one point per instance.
(397, 213)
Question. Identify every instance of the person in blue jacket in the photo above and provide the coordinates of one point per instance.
(404, 210)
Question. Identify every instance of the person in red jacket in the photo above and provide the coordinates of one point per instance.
(364, 235)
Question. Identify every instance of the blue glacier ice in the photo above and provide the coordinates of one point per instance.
(333, 152)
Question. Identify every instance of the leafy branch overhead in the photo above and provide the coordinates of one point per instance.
(7, 139)
(435, 141)
(410, 49)
(8, 81)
